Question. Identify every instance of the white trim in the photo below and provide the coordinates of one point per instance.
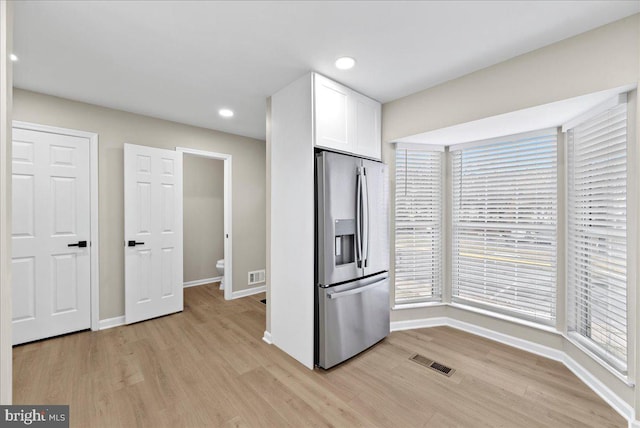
(482, 311)
(112, 322)
(565, 226)
(617, 403)
(633, 271)
(228, 229)
(504, 139)
(419, 323)
(525, 345)
(600, 108)
(247, 292)
(418, 146)
(610, 397)
(582, 344)
(203, 153)
(6, 302)
(267, 337)
(95, 235)
(403, 306)
(202, 281)
(228, 213)
(550, 328)
(52, 129)
(94, 198)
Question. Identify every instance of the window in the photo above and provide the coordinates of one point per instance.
(597, 234)
(505, 225)
(418, 271)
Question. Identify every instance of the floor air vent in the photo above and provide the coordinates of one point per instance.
(440, 368)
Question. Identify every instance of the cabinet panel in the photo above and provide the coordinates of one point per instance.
(332, 115)
(345, 120)
(367, 128)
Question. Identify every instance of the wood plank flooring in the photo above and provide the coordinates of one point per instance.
(208, 367)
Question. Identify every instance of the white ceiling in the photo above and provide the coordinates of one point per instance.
(184, 60)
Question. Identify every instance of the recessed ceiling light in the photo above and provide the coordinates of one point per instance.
(225, 112)
(13, 57)
(345, 63)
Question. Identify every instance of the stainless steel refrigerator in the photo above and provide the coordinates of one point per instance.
(352, 256)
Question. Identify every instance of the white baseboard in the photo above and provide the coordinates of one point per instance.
(267, 337)
(612, 399)
(616, 402)
(202, 281)
(111, 322)
(248, 292)
(525, 345)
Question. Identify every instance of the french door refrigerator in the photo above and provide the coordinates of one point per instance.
(352, 256)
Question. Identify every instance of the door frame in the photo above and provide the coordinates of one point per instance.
(228, 229)
(93, 218)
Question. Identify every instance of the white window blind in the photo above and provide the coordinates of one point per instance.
(505, 226)
(597, 231)
(418, 226)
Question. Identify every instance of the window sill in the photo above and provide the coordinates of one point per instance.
(416, 305)
(504, 317)
(488, 313)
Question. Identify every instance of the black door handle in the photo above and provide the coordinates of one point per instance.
(80, 244)
(134, 243)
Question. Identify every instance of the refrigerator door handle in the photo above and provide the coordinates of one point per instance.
(358, 219)
(356, 290)
(365, 210)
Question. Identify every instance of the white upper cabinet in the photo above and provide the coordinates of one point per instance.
(345, 120)
(333, 115)
(367, 127)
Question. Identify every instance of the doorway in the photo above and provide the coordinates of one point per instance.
(226, 161)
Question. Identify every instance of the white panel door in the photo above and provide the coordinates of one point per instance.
(50, 235)
(152, 232)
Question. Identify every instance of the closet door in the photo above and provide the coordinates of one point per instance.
(51, 263)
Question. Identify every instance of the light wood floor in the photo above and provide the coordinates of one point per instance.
(209, 367)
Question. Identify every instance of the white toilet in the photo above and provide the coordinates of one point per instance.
(220, 267)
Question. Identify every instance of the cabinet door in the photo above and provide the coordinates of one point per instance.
(332, 115)
(367, 127)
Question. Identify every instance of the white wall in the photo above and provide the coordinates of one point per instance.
(6, 17)
(291, 286)
(268, 217)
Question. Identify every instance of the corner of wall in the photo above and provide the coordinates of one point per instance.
(6, 88)
(268, 217)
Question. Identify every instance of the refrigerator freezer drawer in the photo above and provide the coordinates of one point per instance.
(351, 319)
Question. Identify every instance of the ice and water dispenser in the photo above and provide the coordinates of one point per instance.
(345, 235)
